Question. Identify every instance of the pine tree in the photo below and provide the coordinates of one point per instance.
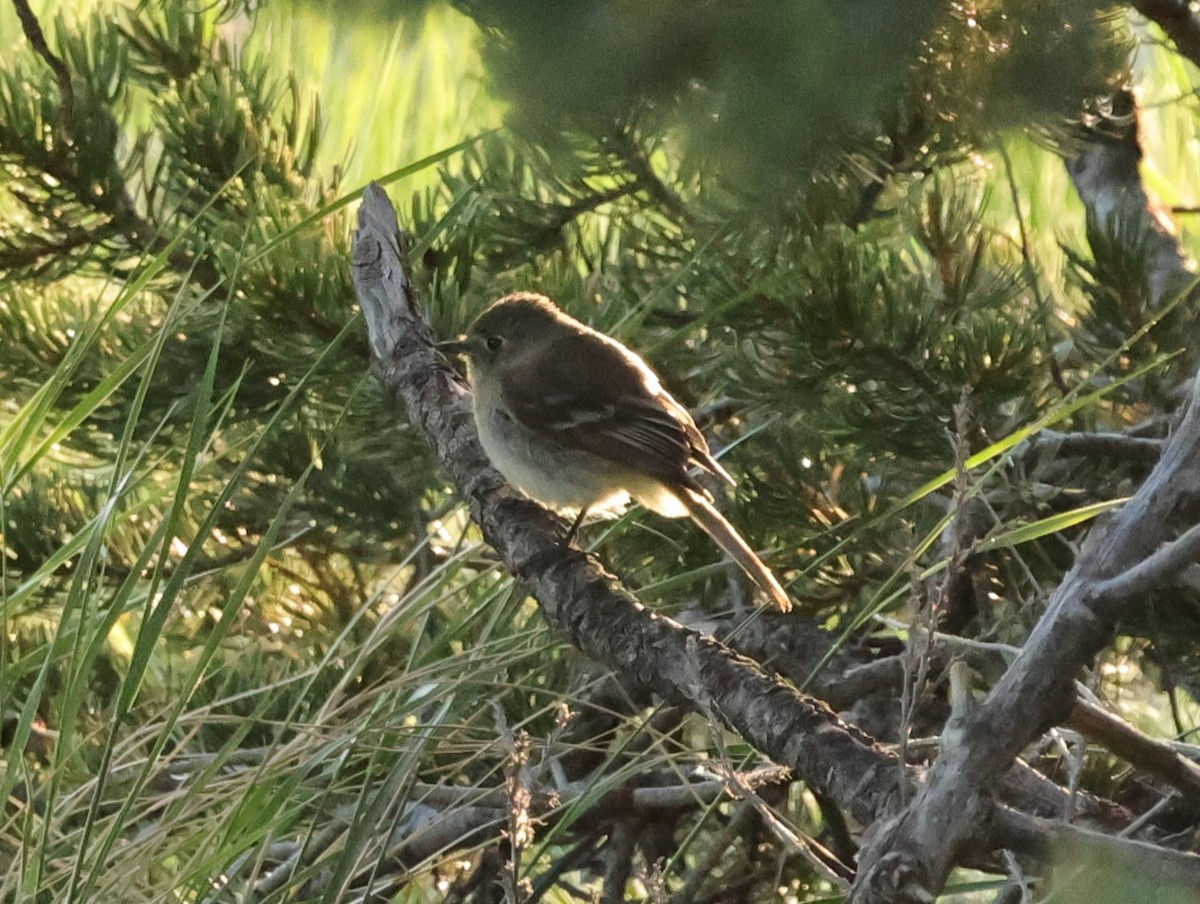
(254, 644)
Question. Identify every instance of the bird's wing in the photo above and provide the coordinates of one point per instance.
(601, 398)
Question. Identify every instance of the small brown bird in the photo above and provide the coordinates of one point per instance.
(578, 421)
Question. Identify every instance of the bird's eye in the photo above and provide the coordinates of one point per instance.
(493, 343)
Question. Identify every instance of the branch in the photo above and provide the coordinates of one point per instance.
(1048, 840)
(1097, 445)
(1153, 571)
(116, 203)
(446, 818)
(1024, 786)
(652, 800)
(653, 654)
(1100, 726)
(909, 858)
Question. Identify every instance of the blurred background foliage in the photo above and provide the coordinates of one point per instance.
(844, 234)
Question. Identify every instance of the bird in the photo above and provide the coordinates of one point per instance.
(578, 421)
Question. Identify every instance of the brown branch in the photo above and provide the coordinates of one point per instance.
(445, 818)
(908, 858)
(638, 163)
(1023, 786)
(563, 215)
(1036, 794)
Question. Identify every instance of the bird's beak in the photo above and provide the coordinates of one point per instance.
(454, 348)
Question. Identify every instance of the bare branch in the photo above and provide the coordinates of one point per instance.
(1046, 839)
(1100, 726)
(645, 801)
(385, 292)
(1154, 571)
(910, 857)
(1098, 445)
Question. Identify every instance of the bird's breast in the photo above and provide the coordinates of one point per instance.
(544, 469)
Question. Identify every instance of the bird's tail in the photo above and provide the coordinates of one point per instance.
(726, 536)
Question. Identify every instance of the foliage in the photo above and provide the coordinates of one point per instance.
(252, 643)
